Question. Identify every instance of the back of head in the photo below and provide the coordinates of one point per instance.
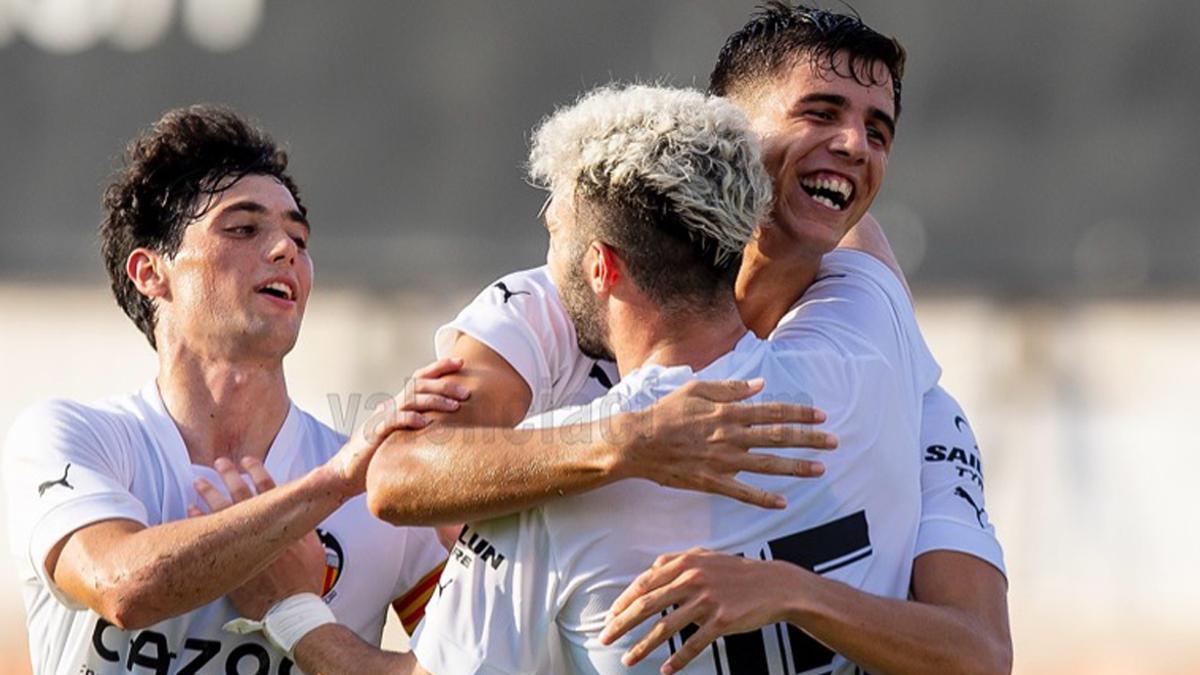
(671, 179)
(172, 171)
(779, 35)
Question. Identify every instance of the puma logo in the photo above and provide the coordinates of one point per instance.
(959, 492)
(51, 483)
(507, 293)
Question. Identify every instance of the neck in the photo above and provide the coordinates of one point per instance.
(222, 408)
(682, 339)
(770, 281)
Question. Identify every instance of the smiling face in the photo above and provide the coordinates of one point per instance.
(239, 283)
(826, 140)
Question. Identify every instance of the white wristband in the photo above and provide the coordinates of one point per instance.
(288, 621)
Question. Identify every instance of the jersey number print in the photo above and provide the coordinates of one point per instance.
(820, 549)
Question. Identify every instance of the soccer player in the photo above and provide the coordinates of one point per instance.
(205, 241)
(654, 195)
(805, 77)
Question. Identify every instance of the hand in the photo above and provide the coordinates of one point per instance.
(424, 392)
(698, 437)
(300, 568)
(722, 594)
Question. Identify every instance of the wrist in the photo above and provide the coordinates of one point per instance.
(288, 621)
(328, 483)
(795, 606)
(623, 441)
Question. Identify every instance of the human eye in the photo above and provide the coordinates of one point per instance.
(242, 230)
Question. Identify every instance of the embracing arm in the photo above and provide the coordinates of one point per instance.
(135, 576)
(695, 438)
(957, 622)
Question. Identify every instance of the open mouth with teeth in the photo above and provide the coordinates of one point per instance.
(277, 289)
(828, 190)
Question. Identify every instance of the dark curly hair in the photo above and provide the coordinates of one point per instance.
(779, 34)
(172, 173)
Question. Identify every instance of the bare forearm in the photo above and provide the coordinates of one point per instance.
(333, 648)
(166, 570)
(886, 635)
(457, 474)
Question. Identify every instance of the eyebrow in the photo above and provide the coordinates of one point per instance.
(250, 206)
(840, 101)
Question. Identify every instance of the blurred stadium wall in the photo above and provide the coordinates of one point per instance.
(1039, 196)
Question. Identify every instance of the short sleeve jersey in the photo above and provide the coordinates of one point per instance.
(528, 593)
(522, 319)
(68, 465)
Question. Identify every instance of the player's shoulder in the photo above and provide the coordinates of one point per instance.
(107, 425)
(521, 286)
(55, 414)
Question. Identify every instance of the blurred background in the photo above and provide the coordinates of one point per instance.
(1039, 196)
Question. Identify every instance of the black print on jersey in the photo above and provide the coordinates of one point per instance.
(967, 463)
(442, 587)
(507, 293)
(960, 422)
(51, 483)
(597, 373)
(820, 549)
(480, 547)
(961, 493)
(829, 276)
(149, 649)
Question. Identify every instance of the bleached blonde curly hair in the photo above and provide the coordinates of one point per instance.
(685, 159)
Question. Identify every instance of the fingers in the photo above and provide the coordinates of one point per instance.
(640, 609)
(692, 647)
(439, 368)
(239, 490)
(212, 497)
(446, 388)
(724, 391)
(194, 511)
(429, 402)
(663, 629)
(258, 474)
(781, 436)
(396, 421)
(774, 465)
(742, 492)
(772, 413)
(645, 582)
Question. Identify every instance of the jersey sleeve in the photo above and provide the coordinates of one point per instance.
(522, 319)
(953, 513)
(495, 607)
(421, 565)
(856, 298)
(65, 467)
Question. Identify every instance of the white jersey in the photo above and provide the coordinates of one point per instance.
(67, 465)
(528, 593)
(522, 319)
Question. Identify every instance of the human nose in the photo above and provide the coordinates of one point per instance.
(283, 249)
(851, 142)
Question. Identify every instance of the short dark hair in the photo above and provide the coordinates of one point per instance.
(676, 270)
(779, 34)
(172, 172)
